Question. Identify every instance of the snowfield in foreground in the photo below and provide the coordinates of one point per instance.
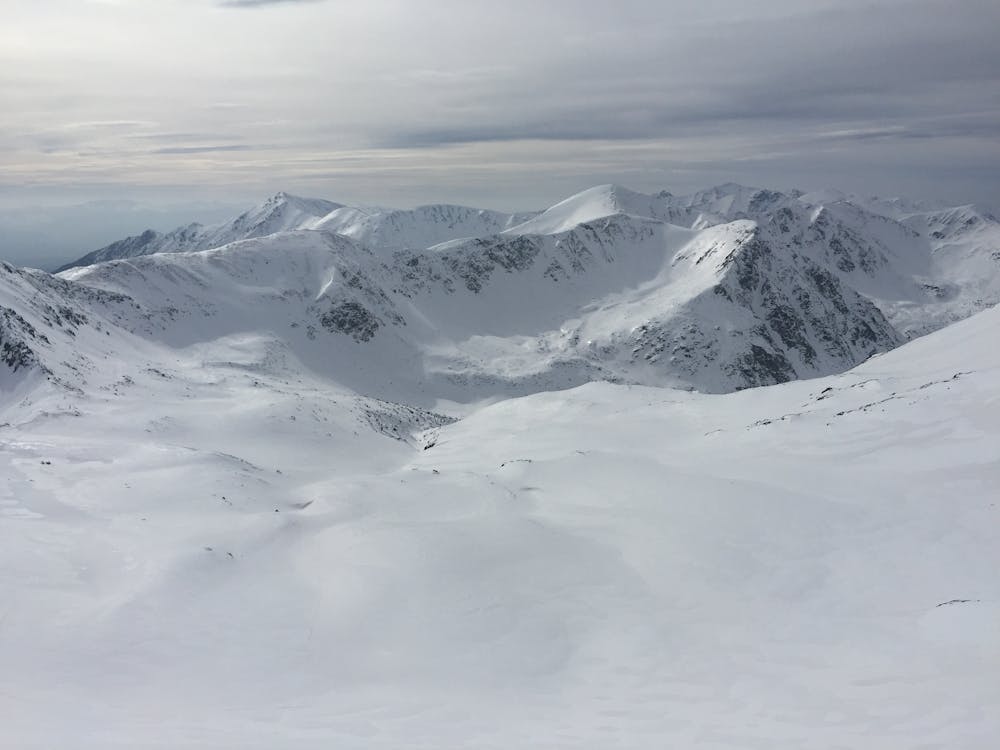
(224, 556)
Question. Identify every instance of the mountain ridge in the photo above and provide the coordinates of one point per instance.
(725, 289)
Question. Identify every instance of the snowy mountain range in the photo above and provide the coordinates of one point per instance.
(374, 227)
(365, 478)
(725, 289)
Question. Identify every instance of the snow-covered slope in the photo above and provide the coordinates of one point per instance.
(590, 205)
(216, 551)
(377, 228)
(624, 298)
(56, 332)
(922, 266)
(422, 227)
(725, 289)
(280, 213)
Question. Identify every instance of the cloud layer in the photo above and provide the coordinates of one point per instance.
(509, 104)
(260, 3)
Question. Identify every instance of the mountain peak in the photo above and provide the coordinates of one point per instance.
(314, 206)
(588, 205)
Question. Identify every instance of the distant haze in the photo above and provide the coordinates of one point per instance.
(46, 236)
(194, 109)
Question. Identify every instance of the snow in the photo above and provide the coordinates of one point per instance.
(922, 265)
(385, 230)
(380, 229)
(225, 557)
(234, 514)
(632, 287)
(589, 205)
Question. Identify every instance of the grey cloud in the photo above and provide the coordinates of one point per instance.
(975, 125)
(398, 101)
(180, 137)
(261, 3)
(204, 149)
(563, 129)
(845, 64)
(108, 125)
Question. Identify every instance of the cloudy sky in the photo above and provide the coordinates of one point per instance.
(194, 106)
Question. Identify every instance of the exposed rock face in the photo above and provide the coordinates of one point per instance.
(351, 319)
(40, 319)
(810, 321)
(14, 350)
